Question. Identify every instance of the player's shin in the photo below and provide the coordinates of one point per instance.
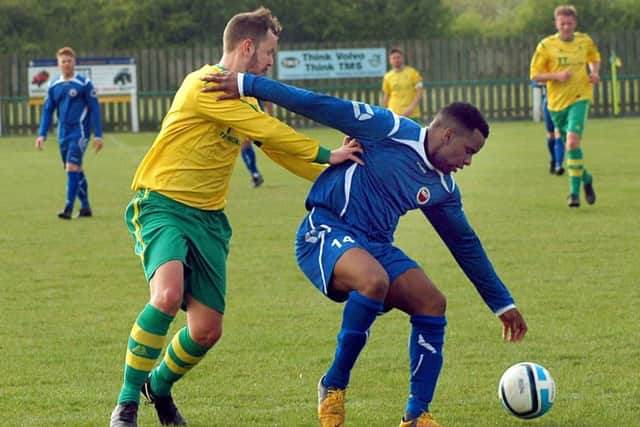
(144, 348)
(575, 165)
(83, 191)
(181, 356)
(359, 314)
(73, 182)
(425, 360)
(558, 152)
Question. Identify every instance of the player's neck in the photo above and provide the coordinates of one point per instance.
(68, 76)
(232, 62)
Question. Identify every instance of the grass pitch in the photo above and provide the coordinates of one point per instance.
(70, 291)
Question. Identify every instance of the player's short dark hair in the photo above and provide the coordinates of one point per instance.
(250, 25)
(468, 116)
(396, 50)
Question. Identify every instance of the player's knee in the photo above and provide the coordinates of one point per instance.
(434, 304)
(207, 337)
(167, 300)
(374, 286)
(573, 141)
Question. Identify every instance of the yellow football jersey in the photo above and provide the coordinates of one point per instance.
(553, 55)
(401, 87)
(193, 156)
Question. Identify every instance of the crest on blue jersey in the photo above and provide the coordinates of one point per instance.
(423, 196)
(73, 93)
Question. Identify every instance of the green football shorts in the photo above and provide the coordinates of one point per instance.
(165, 230)
(571, 119)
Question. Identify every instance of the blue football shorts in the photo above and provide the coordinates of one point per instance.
(72, 150)
(323, 237)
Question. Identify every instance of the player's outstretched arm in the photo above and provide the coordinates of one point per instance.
(514, 328)
(357, 119)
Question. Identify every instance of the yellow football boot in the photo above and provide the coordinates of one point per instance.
(424, 420)
(330, 405)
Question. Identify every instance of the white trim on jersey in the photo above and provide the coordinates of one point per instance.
(85, 110)
(348, 178)
(396, 124)
(241, 84)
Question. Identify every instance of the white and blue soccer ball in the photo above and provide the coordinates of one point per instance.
(527, 390)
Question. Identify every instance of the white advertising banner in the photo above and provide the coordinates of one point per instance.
(331, 63)
(110, 76)
(114, 80)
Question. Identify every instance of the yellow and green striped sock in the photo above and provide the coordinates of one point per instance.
(181, 356)
(575, 169)
(144, 348)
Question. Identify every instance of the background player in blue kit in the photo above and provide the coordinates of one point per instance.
(345, 243)
(75, 100)
(555, 145)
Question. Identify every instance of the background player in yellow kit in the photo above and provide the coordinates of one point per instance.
(562, 60)
(176, 217)
(402, 87)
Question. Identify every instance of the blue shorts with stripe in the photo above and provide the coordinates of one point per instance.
(323, 237)
(72, 149)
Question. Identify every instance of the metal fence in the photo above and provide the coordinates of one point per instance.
(488, 72)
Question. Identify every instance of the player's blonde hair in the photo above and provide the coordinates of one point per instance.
(249, 25)
(565, 10)
(65, 51)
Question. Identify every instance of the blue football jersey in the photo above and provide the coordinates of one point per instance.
(77, 106)
(397, 177)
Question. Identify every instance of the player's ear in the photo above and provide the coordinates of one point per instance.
(247, 47)
(447, 135)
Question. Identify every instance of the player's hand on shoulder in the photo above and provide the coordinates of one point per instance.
(226, 81)
(514, 327)
(349, 150)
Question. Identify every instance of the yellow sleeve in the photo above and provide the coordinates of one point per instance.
(593, 55)
(301, 168)
(386, 85)
(244, 116)
(416, 78)
(538, 61)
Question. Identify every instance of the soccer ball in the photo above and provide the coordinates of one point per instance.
(527, 390)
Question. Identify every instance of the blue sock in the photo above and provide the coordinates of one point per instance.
(73, 179)
(83, 191)
(425, 360)
(551, 147)
(359, 314)
(558, 149)
(249, 157)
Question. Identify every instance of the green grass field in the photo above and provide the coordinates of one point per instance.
(71, 290)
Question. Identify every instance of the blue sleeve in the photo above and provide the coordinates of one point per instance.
(47, 113)
(353, 118)
(451, 224)
(94, 110)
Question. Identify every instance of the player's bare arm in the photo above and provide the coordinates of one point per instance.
(226, 82)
